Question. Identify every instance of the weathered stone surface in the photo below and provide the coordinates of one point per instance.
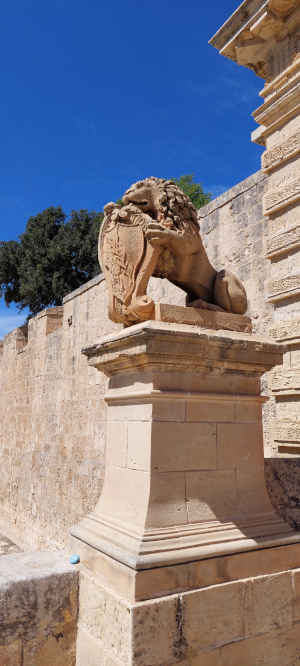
(250, 621)
(39, 606)
(199, 317)
(282, 151)
(268, 604)
(283, 483)
(286, 331)
(7, 546)
(285, 382)
(283, 242)
(287, 431)
(283, 288)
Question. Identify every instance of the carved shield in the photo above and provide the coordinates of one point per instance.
(122, 252)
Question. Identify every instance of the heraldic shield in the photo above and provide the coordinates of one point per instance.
(127, 260)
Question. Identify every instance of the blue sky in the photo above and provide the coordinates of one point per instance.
(97, 94)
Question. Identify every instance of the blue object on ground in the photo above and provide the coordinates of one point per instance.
(74, 559)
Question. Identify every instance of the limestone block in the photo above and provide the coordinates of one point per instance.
(39, 605)
(213, 616)
(239, 445)
(210, 410)
(248, 411)
(196, 440)
(268, 604)
(105, 615)
(90, 651)
(211, 495)
(205, 318)
(251, 491)
(273, 649)
(116, 445)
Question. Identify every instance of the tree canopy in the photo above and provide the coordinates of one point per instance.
(193, 190)
(53, 256)
(56, 254)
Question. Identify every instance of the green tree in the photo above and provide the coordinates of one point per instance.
(193, 190)
(53, 256)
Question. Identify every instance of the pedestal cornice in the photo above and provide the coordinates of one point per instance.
(182, 348)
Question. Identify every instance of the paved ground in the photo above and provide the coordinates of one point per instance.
(7, 546)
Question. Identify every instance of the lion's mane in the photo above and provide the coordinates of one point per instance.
(175, 205)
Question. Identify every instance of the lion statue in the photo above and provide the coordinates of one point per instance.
(156, 232)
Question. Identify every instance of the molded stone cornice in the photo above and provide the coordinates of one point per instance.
(285, 383)
(159, 345)
(251, 33)
(283, 151)
(281, 107)
(286, 331)
(280, 197)
(283, 288)
(283, 242)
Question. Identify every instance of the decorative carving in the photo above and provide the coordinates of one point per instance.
(281, 196)
(157, 233)
(286, 331)
(284, 287)
(283, 242)
(295, 44)
(280, 153)
(287, 432)
(286, 383)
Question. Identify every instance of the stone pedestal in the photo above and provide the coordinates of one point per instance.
(184, 532)
(184, 505)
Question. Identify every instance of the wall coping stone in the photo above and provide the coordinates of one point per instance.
(227, 196)
(88, 285)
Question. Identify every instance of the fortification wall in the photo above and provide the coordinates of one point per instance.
(53, 414)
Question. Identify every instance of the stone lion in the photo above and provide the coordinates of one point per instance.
(169, 223)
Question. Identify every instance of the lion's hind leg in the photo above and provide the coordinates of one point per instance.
(229, 293)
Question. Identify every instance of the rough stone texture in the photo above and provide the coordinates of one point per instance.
(7, 546)
(233, 230)
(39, 607)
(252, 622)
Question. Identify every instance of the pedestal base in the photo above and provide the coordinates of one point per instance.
(251, 621)
(161, 581)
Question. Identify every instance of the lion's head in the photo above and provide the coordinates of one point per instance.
(162, 200)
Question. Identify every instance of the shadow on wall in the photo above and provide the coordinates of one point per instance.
(283, 484)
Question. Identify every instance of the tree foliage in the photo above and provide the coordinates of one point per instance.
(53, 256)
(193, 190)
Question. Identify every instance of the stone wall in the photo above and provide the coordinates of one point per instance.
(234, 230)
